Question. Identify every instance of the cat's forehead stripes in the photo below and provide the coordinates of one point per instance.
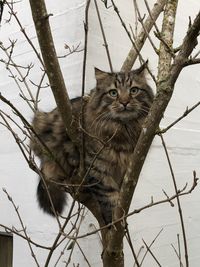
(122, 79)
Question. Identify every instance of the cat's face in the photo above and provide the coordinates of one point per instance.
(122, 96)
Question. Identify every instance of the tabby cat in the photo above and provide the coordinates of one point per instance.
(113, 116)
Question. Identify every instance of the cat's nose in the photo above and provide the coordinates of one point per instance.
(124, 103)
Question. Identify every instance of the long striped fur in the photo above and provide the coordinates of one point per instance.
(113, 115)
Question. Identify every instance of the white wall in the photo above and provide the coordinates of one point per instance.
(183, 140)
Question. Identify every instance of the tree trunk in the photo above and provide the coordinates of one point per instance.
(111, 255)
(112, 239)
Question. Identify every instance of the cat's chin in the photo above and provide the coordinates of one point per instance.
(125, 116)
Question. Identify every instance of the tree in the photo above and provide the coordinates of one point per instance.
(171, 61)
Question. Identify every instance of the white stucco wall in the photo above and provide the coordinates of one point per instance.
(183, 140)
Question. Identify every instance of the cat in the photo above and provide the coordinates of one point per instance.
(113, 115)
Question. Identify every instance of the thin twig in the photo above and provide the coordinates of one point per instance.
(181, 192)
(149, 250)
(128, 237)
(84, 256)
(23, 226)
(82, 121)
(72, 50)
(140, 19)
(16, 137)
(177, 254)
(138, 254)
(38, 91)
(23, 78)
(191, 61)
(135, 34)
(179, 250)
(61, 230)
(30, 163)
(132, 41)
(187, 111)
(13, 13)
(157, 33)
(104, 36)
(153, 241)
(151, 15)
(74, 241)
(178, 201)
(18, 233)
(141, 38)
(61, 253)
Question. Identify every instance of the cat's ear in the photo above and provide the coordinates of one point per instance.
(101, 75)
(141, 70)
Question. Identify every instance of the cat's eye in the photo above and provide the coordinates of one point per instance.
(134, 90)
(113, 93)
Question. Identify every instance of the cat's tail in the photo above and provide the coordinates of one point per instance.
(50, 194)
(51, 199)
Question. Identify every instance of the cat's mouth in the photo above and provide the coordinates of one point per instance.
(124, 107)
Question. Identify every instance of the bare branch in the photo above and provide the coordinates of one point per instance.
(148, 24)
(41, 20)
(128, 237)
(104, 36)
(178, 253)
(191, 61)
(187, 111)
(82, 149)
(181, 192)
(132, 41)
(151, 244)
(1, 9)
(23, 226)
(189, 43)
(61, 231)
(13, 13)
(178, 201)
(10, 63)
(149, 250)
(72, 50)
(140, 19)
(18, 233)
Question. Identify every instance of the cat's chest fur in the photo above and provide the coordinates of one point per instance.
(117, 163)
(111, 147)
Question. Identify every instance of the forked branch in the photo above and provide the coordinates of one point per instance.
(142, 36)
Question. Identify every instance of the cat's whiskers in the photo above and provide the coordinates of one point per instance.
(97, 118)
(100, 124)
(145, 108)
(97, 122)
(105, 121)
(143, 111)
